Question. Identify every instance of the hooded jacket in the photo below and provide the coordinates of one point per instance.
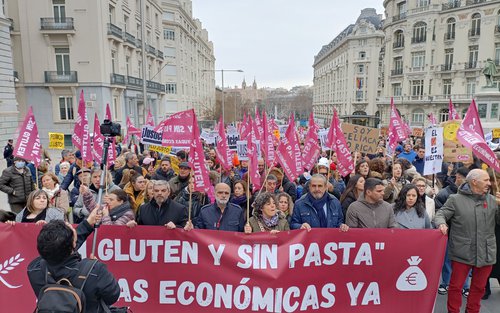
(17, 185)
(362, 214)
(472, 226)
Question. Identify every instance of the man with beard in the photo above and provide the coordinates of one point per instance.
(180, 181)
(221, 215)
(161, 210)
(318, 208)
(370, 210)
(165, 172)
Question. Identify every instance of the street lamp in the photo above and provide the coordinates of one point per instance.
(222, 74)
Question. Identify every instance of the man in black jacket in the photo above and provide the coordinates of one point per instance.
(161, 210)
(165, 172)
(8, 153)
(57, 243)
(16, 181)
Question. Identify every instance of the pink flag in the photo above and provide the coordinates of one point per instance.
(471, 135)
(345, 163)
(275, 128)
(98, 145)
(432, 119)
(288, 152)
(396, 128)
(150, 120)
(131, 130)
(253, 162)
(108, 115)
(452, 112)
(242, 129)
(312, 149)
(197, 157)
(224, 155)
(28, 144)
(408, 130)
(81, 133)
(267, 141)
(258, 127)
(177, 129)
(112, 148)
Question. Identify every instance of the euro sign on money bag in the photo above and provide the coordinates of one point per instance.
(413, 278)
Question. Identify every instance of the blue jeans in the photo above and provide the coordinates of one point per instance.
(446, 272)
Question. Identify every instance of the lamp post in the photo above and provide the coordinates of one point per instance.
(222, 76)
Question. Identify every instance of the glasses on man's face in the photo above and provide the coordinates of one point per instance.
(421, 186)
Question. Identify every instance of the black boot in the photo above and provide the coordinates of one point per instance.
(487, 291)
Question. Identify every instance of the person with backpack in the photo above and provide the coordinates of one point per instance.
(60, 278)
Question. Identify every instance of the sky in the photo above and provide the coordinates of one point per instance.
(274, 41)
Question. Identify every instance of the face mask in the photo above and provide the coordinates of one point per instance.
(19, 164)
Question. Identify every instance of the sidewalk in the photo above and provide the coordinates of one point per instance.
(491, 305)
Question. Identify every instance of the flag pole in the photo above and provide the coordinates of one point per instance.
(355, 161)
(248, 192)
(36, 176)
(190, 204)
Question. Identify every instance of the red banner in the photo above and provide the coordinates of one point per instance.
(160, 270)
(177, 129)
(28, 144)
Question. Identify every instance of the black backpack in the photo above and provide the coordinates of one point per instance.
(64, 296)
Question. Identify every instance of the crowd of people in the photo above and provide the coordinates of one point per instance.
(147, 188)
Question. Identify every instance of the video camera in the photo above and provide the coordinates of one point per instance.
(110, 129)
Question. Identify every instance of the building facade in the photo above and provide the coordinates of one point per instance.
(8, 103)
(189, 72)
(346, 71)
(435, 51)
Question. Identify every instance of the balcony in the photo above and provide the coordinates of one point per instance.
(470, 65)
(159, 54)
(400, 17)
(136, 83)
(445, 67)
(451, 5)
(138, 43)
(449, 36)
(117, 79)
(417, 69)
(129, 38)
(419, 39)
(475, 32)
(59, 24)
(155, 86)
(472, 2)
(150, 49)
(115, 31)
(398, 44)
(59, 77)
(398, 71)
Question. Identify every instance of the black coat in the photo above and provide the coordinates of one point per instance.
(170, 211)
(161, 175)
(17, 185)
(197, 202)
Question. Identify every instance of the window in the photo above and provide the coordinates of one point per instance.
(418, 60)
(362, 55)
(473, 55)
(169, 52)
(399, 39)
(398, 66)
(448, 59)
(417, 117)
(450, 28)
(419, 32)
(125, 23)
(66, 109)
(443, 115)
(62, 61)
(168, 34)
(171, 70)
(113, 60)
(401, 9)
(171, 88)
(59, 11)
(417, 87)
(471, 87)
(494, 111)
(168, 16)
(482, 108)
(139, 67)
(396, 90)
(446, 87)
(361, 68)
(111, 14)
(475, 29)
(497, 54)
(127, 65)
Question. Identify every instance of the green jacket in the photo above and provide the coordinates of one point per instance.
(471, 218)
(281, 226)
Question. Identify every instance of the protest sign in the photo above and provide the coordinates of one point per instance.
(282, 130)
(455, 152)
(417, 132)
(363, 270)
(360, 138)
(150, 136)
(323, 135)
(450, 129)
(56, 141)
(161, 149)
(433, 150)
(496, 132)
(232, 139)
(241, 149)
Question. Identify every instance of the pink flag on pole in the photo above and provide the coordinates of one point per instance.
(112, 147)
(275, 128)
(98, 145)
(108, 115)
(150, 120)
(396, 128)
(432, 119)
(289, 154)
(131, 130)
(197, 158)
(452, 112)
(224, 155)
(177, 129)
(345, 161)
(267, 141)
(312, 149)
(253, 163)
(471, 135)
(242, 129)
(28, 144)
(81, 133)
(258, 127)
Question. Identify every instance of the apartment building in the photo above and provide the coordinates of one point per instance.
(435, 51)
(346, 71)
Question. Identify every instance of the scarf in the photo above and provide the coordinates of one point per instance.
(240, 200)
(51, 192)
(119, 211)
(270, 222)
(318, 205)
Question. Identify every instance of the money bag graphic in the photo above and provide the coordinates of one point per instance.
(413, 278)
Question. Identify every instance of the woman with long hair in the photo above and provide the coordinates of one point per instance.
(355, 187)
(240, 194)
(38, 211)
(395, 183)
(409, 209)
(285, 205)
(58, 198)
(363, 168)
(266, 216)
